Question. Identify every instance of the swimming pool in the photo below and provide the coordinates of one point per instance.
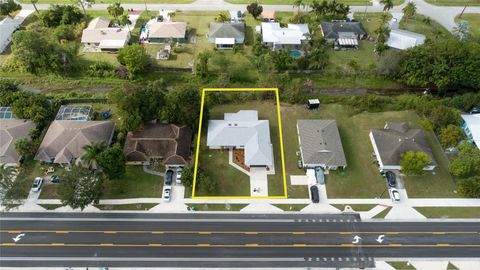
(295, 54)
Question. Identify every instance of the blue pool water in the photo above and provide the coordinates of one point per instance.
(295, 54)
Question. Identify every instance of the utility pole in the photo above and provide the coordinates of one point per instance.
(461, 13)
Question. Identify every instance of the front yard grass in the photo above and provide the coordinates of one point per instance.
(459, 3)
(450, 212)
(217, 207)
(418, 24)
(473, 21)
(126, 207)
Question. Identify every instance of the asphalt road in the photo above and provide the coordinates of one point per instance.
(224, 240)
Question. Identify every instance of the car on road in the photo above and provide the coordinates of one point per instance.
(394, 194)
(178, 179)
(55, 179)
(391, 179)
(168, 177)
(314, 194)
(37, 184)
(167, 193)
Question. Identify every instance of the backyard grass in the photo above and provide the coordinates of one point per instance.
(291, 207)
(473, 21)
(126, 207)
(217, 207)
(432, 30)
(449, 212)
(459, 3)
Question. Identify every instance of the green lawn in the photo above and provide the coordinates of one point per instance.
(127, 207)
(459, 3)
(28, 171)
(402, 265)
(215, 162)
(291, 207)
(370, 20)
(474, 23)
(217, 207)
(355, 207)
(290, 2)
(450, 212)
(432, 30)
(112, 1)
(50, 206)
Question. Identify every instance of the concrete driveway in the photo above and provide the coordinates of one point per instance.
(258, 182)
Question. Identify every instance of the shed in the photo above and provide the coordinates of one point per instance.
(313, 104)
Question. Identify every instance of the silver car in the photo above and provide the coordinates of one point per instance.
(37, 184)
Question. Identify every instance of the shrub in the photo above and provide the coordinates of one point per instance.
(101, 69)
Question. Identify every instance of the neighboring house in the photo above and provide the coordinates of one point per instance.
(7, 27)
(320, 144)
(471, 127)
(165, 32)
(226, 35)
(74, 113)
(268, 15)
(169, 143)
(396, 139)
(12, 130)
(99, 36)
(64, 141)
(243, 130)
(344, 34)
(290, 38)
(402, 39)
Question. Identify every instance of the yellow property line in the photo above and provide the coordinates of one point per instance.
(280, 130)
(349, 245)
(222, 232)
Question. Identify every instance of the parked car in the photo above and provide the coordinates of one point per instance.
(37, 184)
(168, 177)
(314, 193)
(167, 192)
(391, 179)
(319, 175)
(55, 179)
(178, 179)
(394, 194)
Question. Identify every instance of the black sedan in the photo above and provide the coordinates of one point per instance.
(314, 193)
(392, 182)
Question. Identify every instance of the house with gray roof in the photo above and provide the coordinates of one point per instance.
(320, 144)
(395, 139)
(344, 33)
(12, 130)
(226, 35)
(243, 130)
(64, 141)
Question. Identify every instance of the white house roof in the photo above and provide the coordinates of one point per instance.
(225, 41)
(98, 31)
(473, 123)
(243, 129)
(401, 39)
(112, 43)
(293, 34)
(7, 27)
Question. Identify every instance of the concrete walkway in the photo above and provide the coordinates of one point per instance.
(444, 15)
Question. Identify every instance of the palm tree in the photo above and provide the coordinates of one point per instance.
(34, 2)
(115, 10)
(123, 20)
(409, 10)
(387, 5)
(298, 4)
(92, 151)
(6, 178)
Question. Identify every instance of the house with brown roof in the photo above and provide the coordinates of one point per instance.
(396, 139)
(168, 143)
(64, 141)
(12, 130)
(164, 32)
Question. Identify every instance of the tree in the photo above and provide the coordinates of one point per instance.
(92, 153)
(298, 4)
(26, 147)
(450, 136)
(8, 7)
(467, 162)
(8, 86)
(442, 116)
(201, 67)
(115, 10)
(328, 10)
(470, 187)
(409, 10)
(124, 20)
(222, 17)
(79, 187)
(255, 9)
(7, 179)
(187, 176)
(57, 15)
(112, 161)
(387, 5)
(462, 30)
(183, 106)
(135, 58)
(281, 60)
(412, 163)
(34, 3)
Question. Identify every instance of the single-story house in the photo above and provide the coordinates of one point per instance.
(396, 139)
(64, 141)
(226, 35)
(99, 36)
(268, 15)
(243, 130)
(12, 130)
(7, 27)
(402, 39)
(345, 34)
(276, 37)
(164, 32)
(168, 143)
(320, 144)
(471, 127)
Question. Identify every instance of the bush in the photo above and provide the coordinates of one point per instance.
(177, 49)
(101, 69)
(135, 58)
(61, 14)
(469, 188)
(8, 86)
(64, 32)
